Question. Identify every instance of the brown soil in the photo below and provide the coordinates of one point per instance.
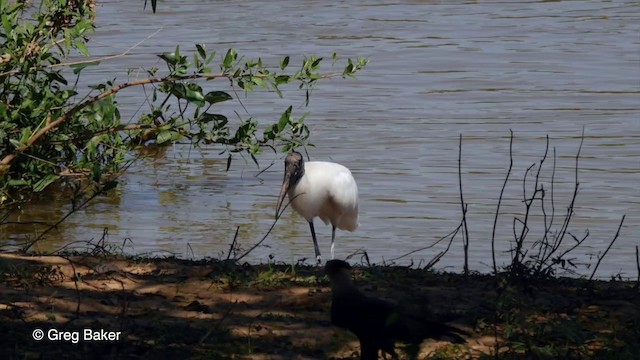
(169, 308)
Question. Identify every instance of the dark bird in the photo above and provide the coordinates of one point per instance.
(378, 324)
(320, 189)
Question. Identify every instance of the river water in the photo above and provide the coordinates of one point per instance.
(437, 69)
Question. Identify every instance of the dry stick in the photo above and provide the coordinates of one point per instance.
(233, 243)
(268, 231)
(608, 247)
(559, 237)
(452, 233)
(89, 61)
(541, 244)
(562, 254)
(439, 256)
(548, 224)
(638, 264)
(465, 237)
(364, 256)
(495, 219)
(265, 169)
(517, 259)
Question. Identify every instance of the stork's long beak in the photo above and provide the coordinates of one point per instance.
(283, 191)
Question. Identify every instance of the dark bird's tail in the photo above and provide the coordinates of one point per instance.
(439, 330)
(425, 329)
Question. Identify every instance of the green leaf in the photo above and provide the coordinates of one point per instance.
(79, 67)
(96, 172)
(178, 90)
(258, 81)
(228, 163)
(44, 182)
(26, 134)
(213, 97)
(229, 58)
(167, 137)
(82, 47)
(6, 24)
(195, 97)
(285, 118)
(169, 58)
(18, 182)
(207, 118)
(284, 62)
(201, 50)
(282, 79)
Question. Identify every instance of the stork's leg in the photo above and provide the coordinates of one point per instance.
(315, 242)
(333, 238)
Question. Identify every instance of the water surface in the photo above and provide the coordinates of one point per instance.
(437, 70)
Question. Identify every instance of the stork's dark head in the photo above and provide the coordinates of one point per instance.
(293, 171)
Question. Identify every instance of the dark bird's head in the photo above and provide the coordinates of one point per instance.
(293, 171)
(339, 273)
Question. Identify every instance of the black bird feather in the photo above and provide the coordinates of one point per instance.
(378, 324)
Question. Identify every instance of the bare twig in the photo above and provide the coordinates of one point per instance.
(548, 221)
(561, 255)
(89, 61)
(452, 233)
(567, 219)
(608, 247)
(495, 219)
(439, 256)
(364, 256)
(268, 231)
(519, 256)
(638, 265)
(233, 243)
(465, 234)
(265, 169)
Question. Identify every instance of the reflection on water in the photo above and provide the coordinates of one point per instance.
(437, 70)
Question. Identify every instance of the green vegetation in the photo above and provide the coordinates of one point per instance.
(52, 133)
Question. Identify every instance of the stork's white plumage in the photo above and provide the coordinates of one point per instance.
(320, 189)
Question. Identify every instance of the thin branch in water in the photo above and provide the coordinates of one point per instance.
(568, 216)
(364, 258)
(452, 233)
(562, 255)
(265, 169)
(638, 265)
(439, 256)
(233, 243)
(268, 231)
(465, 235)
(495, 219)
(608, 247)
(615, 237)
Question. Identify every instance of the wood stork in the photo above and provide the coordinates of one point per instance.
(378, 324)
(320, 189)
